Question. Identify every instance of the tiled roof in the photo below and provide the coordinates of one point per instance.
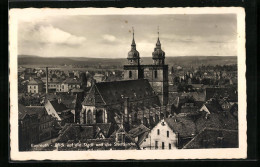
(182, 125)
(71, 81)
(221, 92)
(51, 80)
(104, 127)
(39, 110)
(138, 131)
(59, 107)
(213, 106)
(76, 132)
(220, 120)
(77, 90)
(114, 92)
(230, 139)
(35, 81)
(22, 111)
(30, 110)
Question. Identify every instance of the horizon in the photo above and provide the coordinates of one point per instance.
(22, 56)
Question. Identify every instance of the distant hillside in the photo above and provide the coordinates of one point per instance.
(182, 61)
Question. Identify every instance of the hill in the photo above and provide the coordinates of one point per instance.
(184, 61)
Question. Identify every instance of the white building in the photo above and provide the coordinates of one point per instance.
(162, 136)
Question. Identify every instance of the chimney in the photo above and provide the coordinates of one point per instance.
(47, 80)
(93, 82)
(126, 111)
(59, 100)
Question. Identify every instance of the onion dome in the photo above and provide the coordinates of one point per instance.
(158, 52)
(133, 53)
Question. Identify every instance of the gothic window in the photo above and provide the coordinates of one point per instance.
(130, 74)
(99, 116)
(89, 117)
(84, 116)
(155, 74)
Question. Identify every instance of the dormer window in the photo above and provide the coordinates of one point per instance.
(120, 136)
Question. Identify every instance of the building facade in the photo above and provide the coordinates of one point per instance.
(35, 85)
(156, 73)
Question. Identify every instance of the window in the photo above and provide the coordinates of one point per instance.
(155, 74)
(158, 131)
(130, 74)
(121, 137)
(170, 146)
(34, 87)
(162, 145)
(156, 144)
(34, 91)
(168, 134)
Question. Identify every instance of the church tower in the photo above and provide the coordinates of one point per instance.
(157, 74)
(132, 71)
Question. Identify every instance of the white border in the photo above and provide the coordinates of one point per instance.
(241, 152)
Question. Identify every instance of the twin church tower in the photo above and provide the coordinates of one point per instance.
(156, 73)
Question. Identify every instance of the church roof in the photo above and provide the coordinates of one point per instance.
(116, 91)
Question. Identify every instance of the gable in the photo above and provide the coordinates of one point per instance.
(93, 98)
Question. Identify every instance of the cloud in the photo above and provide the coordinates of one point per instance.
(47, 34)
(109, 38)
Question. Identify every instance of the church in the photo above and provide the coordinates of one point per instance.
(138, 99)
(156, 73)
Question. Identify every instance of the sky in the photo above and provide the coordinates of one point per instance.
(110, 36)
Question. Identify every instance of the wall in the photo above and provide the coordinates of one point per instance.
(134, 74)
(33, 89)
(162, 137)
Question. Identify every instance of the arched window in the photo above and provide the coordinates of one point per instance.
(89, 117)
(130, 74)
(84, 116)
(155, 74)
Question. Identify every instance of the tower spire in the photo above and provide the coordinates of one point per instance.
(133, 32)
(158, 31)
(133, 41)
(158, 44)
